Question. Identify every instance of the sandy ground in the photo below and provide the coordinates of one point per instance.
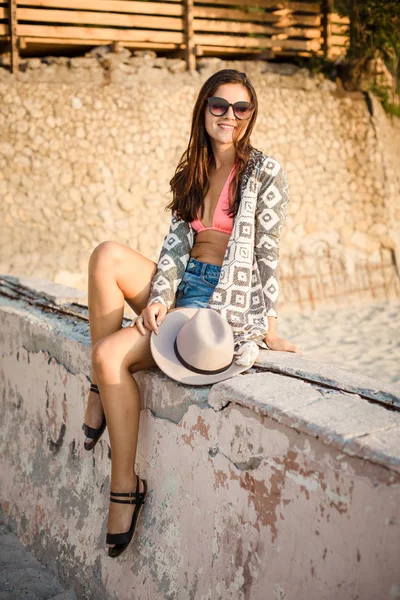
(22, 577)
(364, 340)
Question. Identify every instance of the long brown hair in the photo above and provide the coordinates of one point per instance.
(190, 182)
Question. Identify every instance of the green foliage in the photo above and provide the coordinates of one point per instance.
(383, 94)
(316, 63)
(374, 28)
(374, 31)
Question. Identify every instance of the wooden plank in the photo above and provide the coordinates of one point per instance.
(235, 27)
(12, 8)
(95, 18)
(201, 50)
(170, 9)
(4, 30)
(205, 12)
(335, 18)
(339, 40)
(123, 5)
(243, 42)
(92, 42)
(115, 35)
(3, 13)
(293, 53)
(309, 7)
(265, 4)
(339, 29)
(190, 55)
(335, 52)
(213, 50)
(312, 7)
(110, 6)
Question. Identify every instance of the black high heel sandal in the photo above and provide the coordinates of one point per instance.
(91, 432)
(121, 540)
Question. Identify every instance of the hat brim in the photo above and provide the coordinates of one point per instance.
(162, 349)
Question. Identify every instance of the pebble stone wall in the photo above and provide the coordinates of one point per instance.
(88, 146)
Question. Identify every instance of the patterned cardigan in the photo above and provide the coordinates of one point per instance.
(248, 288)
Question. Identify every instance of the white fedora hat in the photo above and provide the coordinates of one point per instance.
(195, 346)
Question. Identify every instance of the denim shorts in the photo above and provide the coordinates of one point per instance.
(197, 284)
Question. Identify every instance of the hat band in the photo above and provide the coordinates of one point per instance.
(195, 369)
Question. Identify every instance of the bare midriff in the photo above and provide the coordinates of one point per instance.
(210, 246)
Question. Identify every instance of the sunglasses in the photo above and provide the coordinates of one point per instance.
(219, 107)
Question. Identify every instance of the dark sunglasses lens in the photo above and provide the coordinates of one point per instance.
(243, 110)
(218, 106)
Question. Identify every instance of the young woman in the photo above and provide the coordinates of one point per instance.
(229, 202)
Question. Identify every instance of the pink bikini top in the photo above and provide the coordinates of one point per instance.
(221, 221)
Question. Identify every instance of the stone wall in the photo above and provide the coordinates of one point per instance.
(270, 485)
(88, 146)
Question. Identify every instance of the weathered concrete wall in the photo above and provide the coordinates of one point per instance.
(86, 154)
(266, 486)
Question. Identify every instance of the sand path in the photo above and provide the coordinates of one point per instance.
(364, 340)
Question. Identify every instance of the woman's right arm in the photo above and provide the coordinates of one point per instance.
(171, 266)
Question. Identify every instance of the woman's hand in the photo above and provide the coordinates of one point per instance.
(150, 318)
(274, 342)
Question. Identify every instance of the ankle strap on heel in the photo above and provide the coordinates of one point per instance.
(94, 388)
(133, 501)
(135, 497)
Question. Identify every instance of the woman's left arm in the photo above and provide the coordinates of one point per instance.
(275, 342)
(270, 215)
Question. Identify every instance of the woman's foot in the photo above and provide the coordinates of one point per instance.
(121, 512)
(94, 418)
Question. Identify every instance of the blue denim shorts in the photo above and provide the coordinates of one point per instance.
(197, 284)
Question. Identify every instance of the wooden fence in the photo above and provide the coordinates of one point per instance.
(191, 27)
(331, 283)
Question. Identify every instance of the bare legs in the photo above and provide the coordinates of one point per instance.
(115, 357)
(116, 273)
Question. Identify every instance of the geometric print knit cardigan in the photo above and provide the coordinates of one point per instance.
(248, 287)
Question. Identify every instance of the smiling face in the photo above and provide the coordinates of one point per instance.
(223, 130)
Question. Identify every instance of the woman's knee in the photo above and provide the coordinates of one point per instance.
(105, 255)
(107, 362)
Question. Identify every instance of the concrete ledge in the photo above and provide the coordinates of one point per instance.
(344, 421)
(329, 375)
(286, 462)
